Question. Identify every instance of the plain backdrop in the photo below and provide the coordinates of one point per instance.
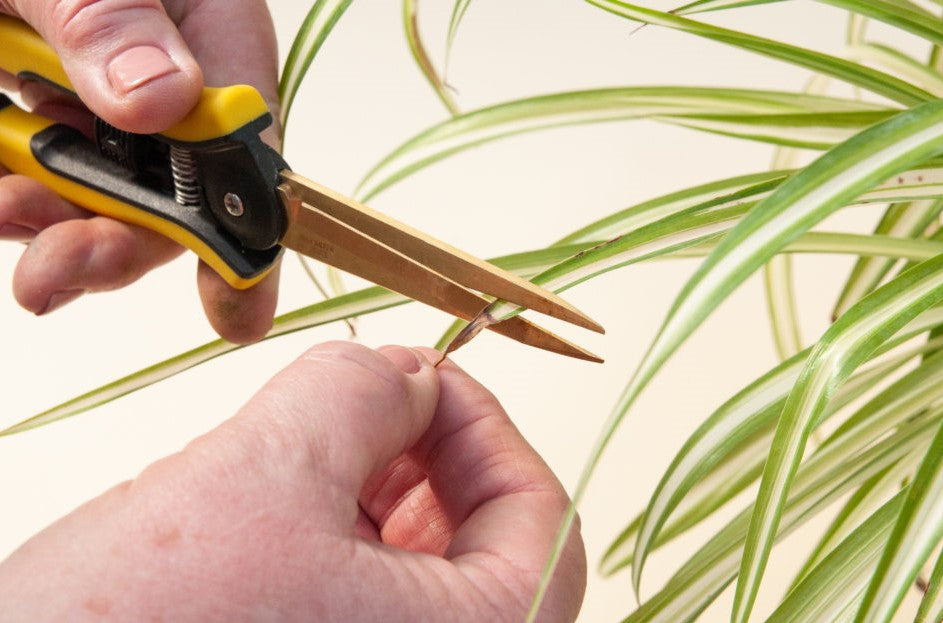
(362, 98)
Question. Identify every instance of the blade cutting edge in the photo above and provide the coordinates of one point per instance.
(325, 238)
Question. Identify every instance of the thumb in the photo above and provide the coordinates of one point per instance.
(127, 60)
(343, 408)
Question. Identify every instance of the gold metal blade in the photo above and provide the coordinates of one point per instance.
(446, 260)
(323, 237)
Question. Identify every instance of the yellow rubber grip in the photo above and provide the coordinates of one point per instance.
(17, 128)
(220, 111)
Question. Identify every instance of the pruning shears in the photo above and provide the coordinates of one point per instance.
(211, 184)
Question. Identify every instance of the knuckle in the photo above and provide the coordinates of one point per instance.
(82, 23)
(74, 22)
(374, 373)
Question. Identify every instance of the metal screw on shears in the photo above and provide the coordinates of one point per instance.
(233, 204)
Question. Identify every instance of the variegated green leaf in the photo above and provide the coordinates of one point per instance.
(411, 26)
(314, 30)
(703, 6)
(715, 195)
(902, 65)
(843, 347)
(919, 183)
(777, 273)
(743, 427)
(714, 109)
(781, 302)
(458, 13)
(354, 304)
(357, 303)
(807, 130)
(917, 532)
(859, 507)
(901, 220)
(834, 179)
(824, 478)
(931, 606)
(833, 589)
(888, 7)
(869, 79)
(903, 14)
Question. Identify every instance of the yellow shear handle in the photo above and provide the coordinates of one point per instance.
(240, 268)
(219, 113)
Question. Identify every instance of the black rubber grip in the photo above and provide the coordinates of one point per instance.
(66, 152)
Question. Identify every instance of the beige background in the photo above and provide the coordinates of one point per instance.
(363, 97)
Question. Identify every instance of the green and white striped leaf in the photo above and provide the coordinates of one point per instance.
(338, 308)
(703, 6)
(714, 195)
(359, 303)
(833, 590)
(715, 109)
(919, 183)
(917, 532)
(829, 474)
(855, 512)
(845, 172)
(902, 14)
(893, 10)
(317, 25)
(735, 439)
(370, 300)
(781, 302)
(877, 82)
(418, 50)
(907, 220)
(931, 606)
(843, 347)
(806, 130)
(698, 235)
(458, 13)
(777, 273)
(902, 65)
(833, 180)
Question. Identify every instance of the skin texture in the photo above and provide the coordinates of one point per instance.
(357, 485)
(202, 42)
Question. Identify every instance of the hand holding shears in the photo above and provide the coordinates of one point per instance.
(212, 185)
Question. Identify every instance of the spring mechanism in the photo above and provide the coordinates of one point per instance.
(183, 169)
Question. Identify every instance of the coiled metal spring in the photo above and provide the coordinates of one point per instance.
(183, 169)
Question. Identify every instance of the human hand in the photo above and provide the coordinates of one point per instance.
(141, 67)
(355, 486)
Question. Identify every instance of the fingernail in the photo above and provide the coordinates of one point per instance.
(406, 359)
(138, 66)
(59, 299)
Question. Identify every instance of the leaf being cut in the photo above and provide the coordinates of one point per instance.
(359, 303)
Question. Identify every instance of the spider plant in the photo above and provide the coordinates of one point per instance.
(848, 425)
